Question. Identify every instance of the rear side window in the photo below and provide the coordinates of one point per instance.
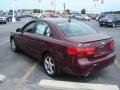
(40, 28)
(75, 28)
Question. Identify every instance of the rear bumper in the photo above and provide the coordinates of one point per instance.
(84, 66)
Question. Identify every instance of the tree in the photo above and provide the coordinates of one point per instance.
(37, 11)
(34, 10)
(83, 11)
(67, 11)
(10, 10)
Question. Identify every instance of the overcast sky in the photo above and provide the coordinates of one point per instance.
(89, 5)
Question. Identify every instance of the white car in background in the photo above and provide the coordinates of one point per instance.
(37, 16)
(83, 17)
(3, 19)
(87, 18)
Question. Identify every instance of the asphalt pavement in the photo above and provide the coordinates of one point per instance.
(25, 73)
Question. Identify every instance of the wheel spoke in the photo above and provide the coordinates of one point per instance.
(51, 70)
(46, 61)
(51, 64)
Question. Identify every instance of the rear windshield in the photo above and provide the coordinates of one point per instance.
(110, 16)
(75, 28)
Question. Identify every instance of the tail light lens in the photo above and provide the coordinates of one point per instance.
(81, 51)
(89, 51)
(112, 44)
(75, 51)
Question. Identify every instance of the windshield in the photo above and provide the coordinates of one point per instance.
(75, 28)
(110, 16)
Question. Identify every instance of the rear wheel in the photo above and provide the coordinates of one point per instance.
(101, 25)
(14, 47)
(10, 19)
(50, 65)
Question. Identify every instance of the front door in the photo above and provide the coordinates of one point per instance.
(27, 30)
(36, 41)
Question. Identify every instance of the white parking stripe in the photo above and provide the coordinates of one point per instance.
(76, 86)
(117, 64)
(2, 78)
(4, 42)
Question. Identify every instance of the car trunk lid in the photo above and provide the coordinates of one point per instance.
(99, 42)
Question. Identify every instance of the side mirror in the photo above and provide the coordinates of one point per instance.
(18, 30)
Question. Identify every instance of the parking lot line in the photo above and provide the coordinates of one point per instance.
(25, 76)
(117, 64)
(4, 42)
(75, 86)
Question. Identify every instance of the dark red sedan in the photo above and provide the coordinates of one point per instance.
(64, 46)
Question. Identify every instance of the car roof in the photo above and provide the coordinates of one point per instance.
(113, 14)
(54, 20)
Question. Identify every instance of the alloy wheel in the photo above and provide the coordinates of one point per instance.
(49, 65)
(13, 45)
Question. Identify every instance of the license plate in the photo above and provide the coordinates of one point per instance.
(101, 51)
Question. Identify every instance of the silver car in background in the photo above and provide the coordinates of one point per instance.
(3, 19)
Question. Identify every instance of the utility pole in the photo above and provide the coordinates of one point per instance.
(98, 1)
(64, 6)
(102, 1)
(13, 9)
(53, 4)
(39, 1)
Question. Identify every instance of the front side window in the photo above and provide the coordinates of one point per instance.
(29, 27)
(75, 28)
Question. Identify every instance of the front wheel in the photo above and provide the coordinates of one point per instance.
(14, 47)
(4, 22)
(101, 25)
(50, 65)
(113, 25)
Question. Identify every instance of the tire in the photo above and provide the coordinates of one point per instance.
(14, 47)
(113, 25)
(4, 22)
(50, 65)
(101, 25)
(10, 19)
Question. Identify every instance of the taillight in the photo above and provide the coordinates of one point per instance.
(75, 51)
(89, 51)
(81, 51)
(111, 45)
